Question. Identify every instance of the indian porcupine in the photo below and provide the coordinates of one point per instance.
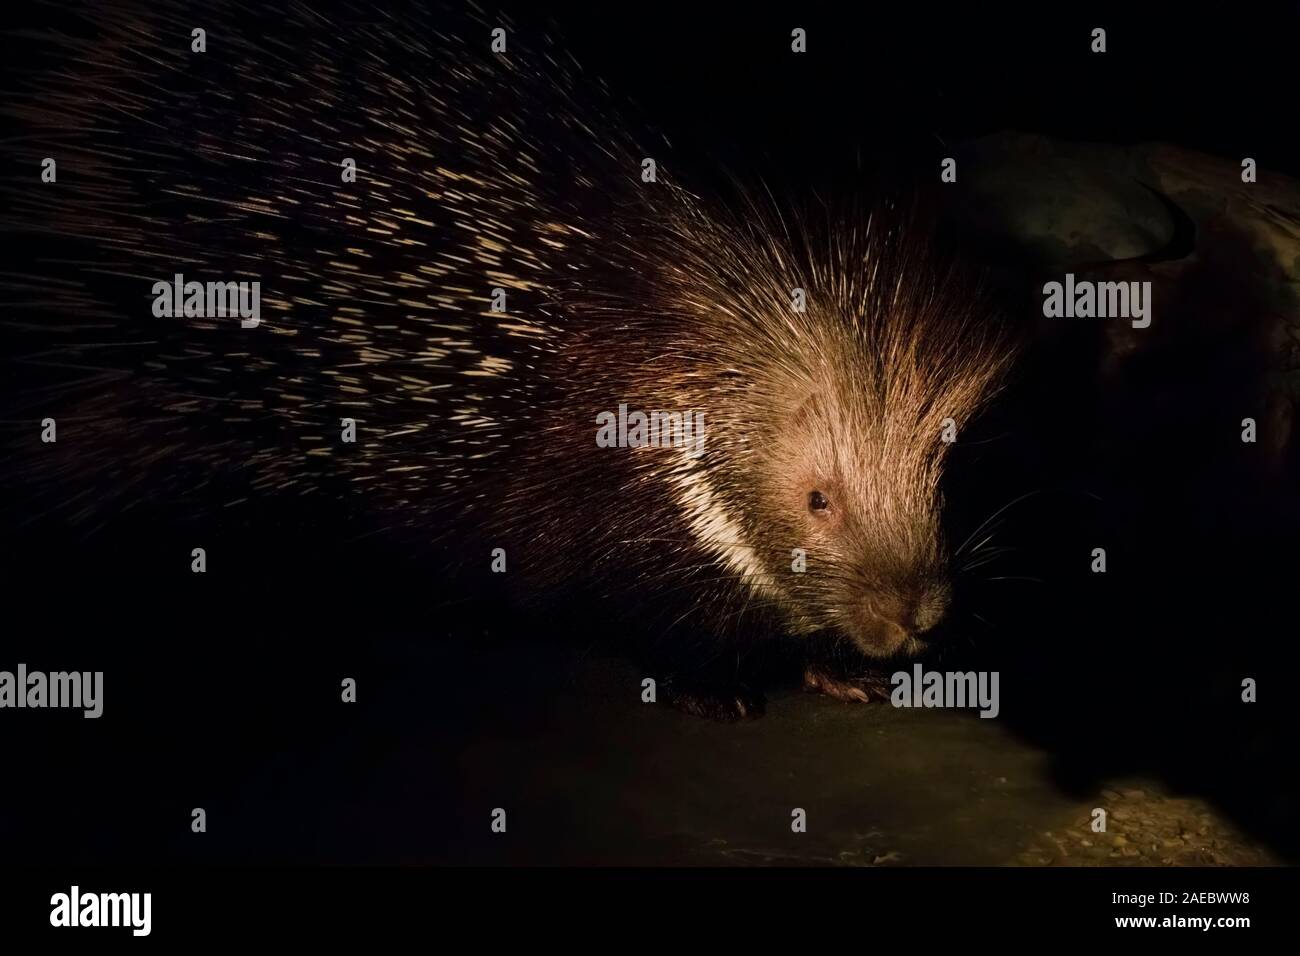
(480, 170)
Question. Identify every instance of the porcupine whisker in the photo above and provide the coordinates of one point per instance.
(986, 547)
(981, 527)
(992, 533)
(981, 558)
(983, 524)
(974, 565)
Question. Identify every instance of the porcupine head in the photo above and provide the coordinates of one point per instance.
(827, 376)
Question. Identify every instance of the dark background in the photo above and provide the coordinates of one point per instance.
(222, 689)
(891, 83)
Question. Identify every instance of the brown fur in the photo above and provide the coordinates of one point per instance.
(847, 398)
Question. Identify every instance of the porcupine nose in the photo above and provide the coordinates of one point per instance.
(913, 612)
(893, 609)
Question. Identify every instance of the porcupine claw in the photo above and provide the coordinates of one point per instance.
(860, 690)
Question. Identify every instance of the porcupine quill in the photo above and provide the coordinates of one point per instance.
(481, 171)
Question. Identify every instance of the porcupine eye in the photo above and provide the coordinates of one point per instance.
(817, 501)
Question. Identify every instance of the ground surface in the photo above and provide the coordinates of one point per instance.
(589, 774)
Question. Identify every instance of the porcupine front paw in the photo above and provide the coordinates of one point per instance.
(860, 689)
(730, 703)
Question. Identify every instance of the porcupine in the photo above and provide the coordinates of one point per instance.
(481, 170)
